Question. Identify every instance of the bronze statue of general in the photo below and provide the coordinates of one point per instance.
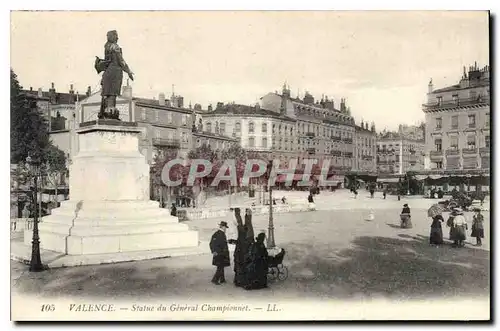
(113, 66)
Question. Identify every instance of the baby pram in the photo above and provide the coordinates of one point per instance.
(276, 268)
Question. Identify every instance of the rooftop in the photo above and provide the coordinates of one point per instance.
(237, 109)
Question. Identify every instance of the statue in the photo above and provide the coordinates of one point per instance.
(112, 67)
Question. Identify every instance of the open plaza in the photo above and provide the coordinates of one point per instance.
(334, 252)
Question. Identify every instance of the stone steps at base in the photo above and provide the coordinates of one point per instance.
(139, 217)
(22, 253)
(111, 229)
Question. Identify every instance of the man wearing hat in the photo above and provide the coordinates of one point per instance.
(220, 252)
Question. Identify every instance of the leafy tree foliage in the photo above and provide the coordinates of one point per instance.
(29, 131)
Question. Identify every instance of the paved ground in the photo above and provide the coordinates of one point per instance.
(330, 254)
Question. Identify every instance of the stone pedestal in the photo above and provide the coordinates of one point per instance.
(109, 210)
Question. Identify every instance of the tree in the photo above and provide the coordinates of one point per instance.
(29, 134)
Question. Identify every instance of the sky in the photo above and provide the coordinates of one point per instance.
(380, 61)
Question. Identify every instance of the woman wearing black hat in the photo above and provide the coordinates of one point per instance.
(220, 252)
(257, 267)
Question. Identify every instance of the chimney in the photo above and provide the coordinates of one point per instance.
(89, 91)
(430, 87)
(342, 105)
(71, 99)
(210, 108)
(52, 94)
(31, 89)
(40, 92)
(161, 99)
(127, 91)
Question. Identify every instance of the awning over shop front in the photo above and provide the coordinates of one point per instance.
(387, 180)
(296, 177)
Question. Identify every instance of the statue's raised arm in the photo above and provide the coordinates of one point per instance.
(113, 65)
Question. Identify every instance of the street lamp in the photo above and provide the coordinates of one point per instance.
(36, 261)
(270, 237)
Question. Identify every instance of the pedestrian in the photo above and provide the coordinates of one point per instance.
(436, 236)
(220, 252)
(477, 226)
(248, 225)
(310, 201)
(242, 246)
(460, 227)
(257, 267)
(372, 190)
(173, 210)
(384, 192)
(406, 217)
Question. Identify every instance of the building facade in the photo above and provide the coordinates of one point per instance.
(321, 131)
(255, 129)
(365, 149)
(457, 121)
(400, 152)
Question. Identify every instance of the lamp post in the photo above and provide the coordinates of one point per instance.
(36, 261)
(270, 237)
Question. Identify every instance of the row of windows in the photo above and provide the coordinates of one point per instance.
(473, 95)
(170, 120)
(217, 145)
(471, 121)
(471, 142)
(321, 113)
(302, 128)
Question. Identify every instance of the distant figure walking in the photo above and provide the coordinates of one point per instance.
(220, 252)
(173, 210)
(460, 227)
(436, 237)
(384, 192)
(477, 226)
(372, 190)
(310, 201)
(406, 217)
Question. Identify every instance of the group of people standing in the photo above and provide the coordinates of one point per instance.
(250, 255)
(458, 228)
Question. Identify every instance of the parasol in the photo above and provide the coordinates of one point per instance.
(434, 210)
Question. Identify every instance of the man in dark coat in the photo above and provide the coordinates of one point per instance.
(220, 252)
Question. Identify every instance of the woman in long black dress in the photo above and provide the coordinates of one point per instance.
(241, 250)
(436, 237)
(257, 267)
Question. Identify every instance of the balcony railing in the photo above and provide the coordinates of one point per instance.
(310, 134)
(469, 150)
(472, 125)
(347, 140)
(336, 153)
(348, 154)
(436, 153)
(367, 157)
(166, 142)
(336, 138)
(452, 151)
(311, 150)
(455, 103)
(484, 150)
